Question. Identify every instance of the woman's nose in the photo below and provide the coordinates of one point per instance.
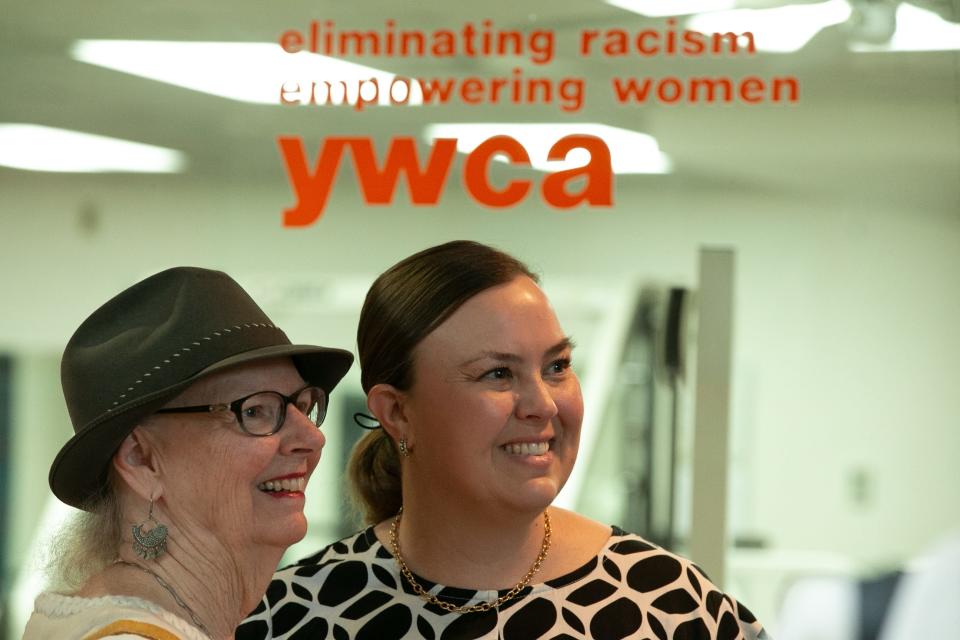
(300, 433)
(535, 401)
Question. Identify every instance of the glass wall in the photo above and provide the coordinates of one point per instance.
(820, 142)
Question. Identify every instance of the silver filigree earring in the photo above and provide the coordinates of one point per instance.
(404, 449)
(152, 544)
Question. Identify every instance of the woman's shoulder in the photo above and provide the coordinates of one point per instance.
(68, 616)
(668, 586)
(638, 554)
(647, 566)
(675, 584)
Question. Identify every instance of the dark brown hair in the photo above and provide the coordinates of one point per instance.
(402, 307)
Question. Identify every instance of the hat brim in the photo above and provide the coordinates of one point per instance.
(93, 446)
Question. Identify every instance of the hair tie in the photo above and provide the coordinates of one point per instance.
(365, 421)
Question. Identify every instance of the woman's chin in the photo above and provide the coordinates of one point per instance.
(536, 495)
(285, 532)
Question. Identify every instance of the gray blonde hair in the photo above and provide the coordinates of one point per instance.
(88, 542)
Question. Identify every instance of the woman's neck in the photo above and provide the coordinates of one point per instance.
(461, 546)
(215, 587)
(467, 546)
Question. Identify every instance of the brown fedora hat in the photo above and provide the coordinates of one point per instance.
(148, 343)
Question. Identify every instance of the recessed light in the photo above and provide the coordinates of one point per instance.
(255, 72)
(39, 148)
(917, 30)
(630, 151)
(780, 30)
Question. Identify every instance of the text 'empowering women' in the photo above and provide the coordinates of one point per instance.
(529, 55)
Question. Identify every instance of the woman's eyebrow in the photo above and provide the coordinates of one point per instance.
(563, 345)
(503, 356)
(492, 355)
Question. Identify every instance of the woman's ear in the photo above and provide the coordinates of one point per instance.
(136, 462)
(386, 402)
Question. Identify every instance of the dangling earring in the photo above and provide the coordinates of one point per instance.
(404, 449)
(152, 544)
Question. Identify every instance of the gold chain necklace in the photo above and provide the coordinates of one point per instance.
(474, 608)
(166, 586)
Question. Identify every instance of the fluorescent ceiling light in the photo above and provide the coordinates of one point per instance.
(630, 151)
(663, 8)
(246, 71)
(38, 148)
(780, 30)
(917, 30)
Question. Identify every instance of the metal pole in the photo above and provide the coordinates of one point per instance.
(708, 536)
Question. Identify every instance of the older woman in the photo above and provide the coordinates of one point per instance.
(197, 429)
(468, 372)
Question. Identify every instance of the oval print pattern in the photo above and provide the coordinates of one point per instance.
(635, 590)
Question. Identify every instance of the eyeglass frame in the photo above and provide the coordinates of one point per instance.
(236, 406)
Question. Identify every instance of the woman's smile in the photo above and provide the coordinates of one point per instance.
(292, 484)
(536, 448)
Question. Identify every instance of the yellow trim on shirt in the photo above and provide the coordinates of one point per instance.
(143, 629)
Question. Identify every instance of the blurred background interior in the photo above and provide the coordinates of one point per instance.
(767, 317)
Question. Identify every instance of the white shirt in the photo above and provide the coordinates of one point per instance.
(73, 618)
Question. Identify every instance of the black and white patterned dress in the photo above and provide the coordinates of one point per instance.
(632, 589)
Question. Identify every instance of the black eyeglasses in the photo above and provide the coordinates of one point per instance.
(262, 413)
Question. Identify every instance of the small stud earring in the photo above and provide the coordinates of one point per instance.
(404, 449)
(152, 544)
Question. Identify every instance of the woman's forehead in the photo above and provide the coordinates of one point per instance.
(274, 374)
(502, 307)
(512, 318)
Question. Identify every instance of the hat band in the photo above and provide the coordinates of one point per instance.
(182, 356)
